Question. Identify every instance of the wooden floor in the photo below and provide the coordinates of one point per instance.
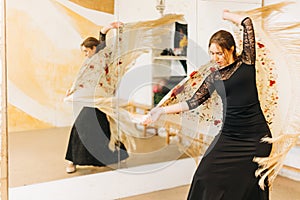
(283, 189)
(38, 156)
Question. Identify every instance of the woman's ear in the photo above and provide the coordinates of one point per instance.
(231, 49)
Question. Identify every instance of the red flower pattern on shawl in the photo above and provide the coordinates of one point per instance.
(106, 69)
(272, 82)
(177, 90)
(193, 74)
(260, 45)
(216, 122)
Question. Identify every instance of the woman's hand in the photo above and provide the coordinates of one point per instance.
(156, 112)
(112, 25)
(153, 115)
(225, 14)
(234, 17)
(116, 25)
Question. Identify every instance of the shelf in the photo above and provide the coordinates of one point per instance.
(170, 58)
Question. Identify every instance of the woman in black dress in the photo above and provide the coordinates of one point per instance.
(227, 170)
(90, 133)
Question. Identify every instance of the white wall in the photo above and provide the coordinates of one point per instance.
(291, 11)
(135, 10)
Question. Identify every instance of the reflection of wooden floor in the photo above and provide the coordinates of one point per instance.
(38, 156)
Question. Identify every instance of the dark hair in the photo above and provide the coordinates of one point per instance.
(90, 42)
(225, 40)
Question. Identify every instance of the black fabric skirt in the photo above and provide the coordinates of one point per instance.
(227, 170)
(89, 140)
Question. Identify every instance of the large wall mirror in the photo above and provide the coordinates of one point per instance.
(43, 59)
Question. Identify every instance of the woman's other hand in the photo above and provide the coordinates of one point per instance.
(153, 115)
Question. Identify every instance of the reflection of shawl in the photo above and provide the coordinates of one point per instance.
(99, 76)
(277, 79)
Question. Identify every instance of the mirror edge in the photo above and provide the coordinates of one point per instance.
(4, 132)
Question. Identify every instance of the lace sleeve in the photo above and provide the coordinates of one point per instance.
(248, 54)
(202, 94)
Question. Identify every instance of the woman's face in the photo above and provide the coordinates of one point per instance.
(88, 52)
(220, 56)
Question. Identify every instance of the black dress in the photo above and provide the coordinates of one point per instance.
(89, 140)
(227, 170)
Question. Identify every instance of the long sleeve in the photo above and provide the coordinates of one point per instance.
(102, 40)
(248, 55)
(203, 93)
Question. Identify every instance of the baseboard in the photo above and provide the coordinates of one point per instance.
(112, 184)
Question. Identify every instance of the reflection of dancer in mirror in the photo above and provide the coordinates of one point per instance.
(227, 170)
(90, 133)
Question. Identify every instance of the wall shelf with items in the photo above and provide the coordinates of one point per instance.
(169, 61)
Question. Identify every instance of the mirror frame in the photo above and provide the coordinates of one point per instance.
(4, 132)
